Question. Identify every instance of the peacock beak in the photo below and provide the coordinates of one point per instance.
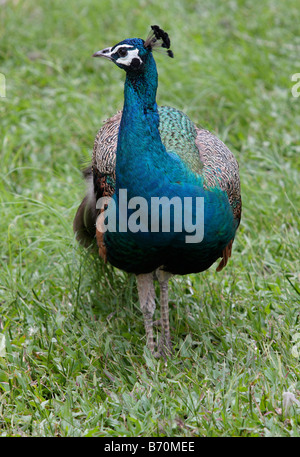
(103, 53)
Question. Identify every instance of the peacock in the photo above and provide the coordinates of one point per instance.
(163, 196)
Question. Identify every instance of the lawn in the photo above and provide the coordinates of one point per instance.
(73, 360)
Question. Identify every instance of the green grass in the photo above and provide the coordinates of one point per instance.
(73, 359)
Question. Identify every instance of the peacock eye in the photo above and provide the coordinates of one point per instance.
(122, 52)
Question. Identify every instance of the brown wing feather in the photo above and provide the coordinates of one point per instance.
(84, 220)
(99, 178)
(220, 167)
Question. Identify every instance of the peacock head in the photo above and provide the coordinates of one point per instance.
(132, 54)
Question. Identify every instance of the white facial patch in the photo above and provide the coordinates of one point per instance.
(132, 54)
(116, 48)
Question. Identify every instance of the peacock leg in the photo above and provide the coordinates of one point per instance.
(165, 344)
(146, 293)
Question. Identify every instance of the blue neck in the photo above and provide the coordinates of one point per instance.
(139, 142)
(140, 88)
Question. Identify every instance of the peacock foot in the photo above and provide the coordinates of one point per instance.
(165, 348)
